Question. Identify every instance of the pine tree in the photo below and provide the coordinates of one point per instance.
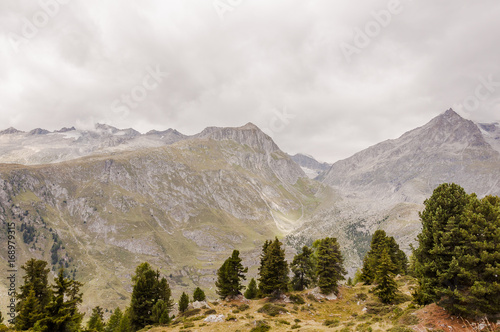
(303, 269)
(1, 318)
(349, 281)
(148, 289)
(386, 285)
(330, 265)
(273, 279)
(125, 323)
(230, 275)
(199, 294)
(160, 313)
(114, 321)
(96, 320)
(183, 302)
(441, 213)
(36, 280)
(251, 291)
(62, 311)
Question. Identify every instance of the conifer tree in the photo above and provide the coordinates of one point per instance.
(230, 275)
(303, 269)
(96, 320)
(273, 279)
(114, 321)
(330, 265)
(183, 302)
(386, 285)
(251, 292)
(62, 311)
(147, 291)
(36, 281)
(199, 294)
(125, 323)
(1, 318)
(441, 213)
(160, 313)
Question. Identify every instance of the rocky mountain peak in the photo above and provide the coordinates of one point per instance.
(10, 130)
(38, 131)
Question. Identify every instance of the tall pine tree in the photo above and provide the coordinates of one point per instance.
(386, 285)
(96, 320)
(303, 269)
(330, 265)
(273, 278)
(230, 275)
(148, 289)
(114, 321)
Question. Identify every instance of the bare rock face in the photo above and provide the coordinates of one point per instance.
(316, 292)
(214, 319)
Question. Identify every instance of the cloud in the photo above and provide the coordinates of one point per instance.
(262, 58)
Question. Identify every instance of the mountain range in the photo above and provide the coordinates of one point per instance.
(101, 201)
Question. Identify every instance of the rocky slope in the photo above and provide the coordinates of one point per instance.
(182, 207)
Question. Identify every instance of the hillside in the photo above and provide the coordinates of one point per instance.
(181, 207)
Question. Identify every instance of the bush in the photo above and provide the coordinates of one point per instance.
(189, 313)
(230, 318)
(331, 322)
(377, 308)
(365, 327)
(243, 307)
(297, 299)
(262, 326)
(210, 312)
(400, 329)
(271, 309)
(361, 296)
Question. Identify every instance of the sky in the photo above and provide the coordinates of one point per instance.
(326, 78)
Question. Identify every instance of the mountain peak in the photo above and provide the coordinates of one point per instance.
(10, 130)
(249, 126)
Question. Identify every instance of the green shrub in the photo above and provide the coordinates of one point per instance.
(361, 296)
(377, 308)
(189, 313)
(243, 307)
(297, 299)
(331, 322)
(400, 329)
(365, 327)
(230, 318)
(210, 312)
(271, 309)
(295, 326)
(282, 321)
(261, 326)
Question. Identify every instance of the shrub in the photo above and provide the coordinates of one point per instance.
(230, 318)
(331, 322)
(297, 299)
(189, 313)
(210, 312)
(261, 326)
(271, 309)
(361, 296)
(408, 319)
(400, 329)
(377, 308)
(243, 307)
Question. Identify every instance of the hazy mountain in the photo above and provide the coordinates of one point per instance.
(310, 166)
(182, 207)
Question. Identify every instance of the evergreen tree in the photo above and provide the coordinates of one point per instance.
(96, 320)
(349, 281)
(183, 302)
(147, 291)
(273, 279)
(441, 213)
(160, 313)
(125, 323)
(36, 281)
(386, 285)
(1, 318)
(62, 311)
(251, 291)
(303, 269)
(330, 265)
(371, 262)
(230, 275)
(113, 324)
(199, 295)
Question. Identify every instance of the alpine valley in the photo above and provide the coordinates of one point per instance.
(99, 202)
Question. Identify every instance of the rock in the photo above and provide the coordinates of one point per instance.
(214, 319)
(199, 304)
(316, 292)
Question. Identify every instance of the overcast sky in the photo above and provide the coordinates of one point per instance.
(328, 78)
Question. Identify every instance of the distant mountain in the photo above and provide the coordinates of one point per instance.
(310, 166)
(447, 149)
